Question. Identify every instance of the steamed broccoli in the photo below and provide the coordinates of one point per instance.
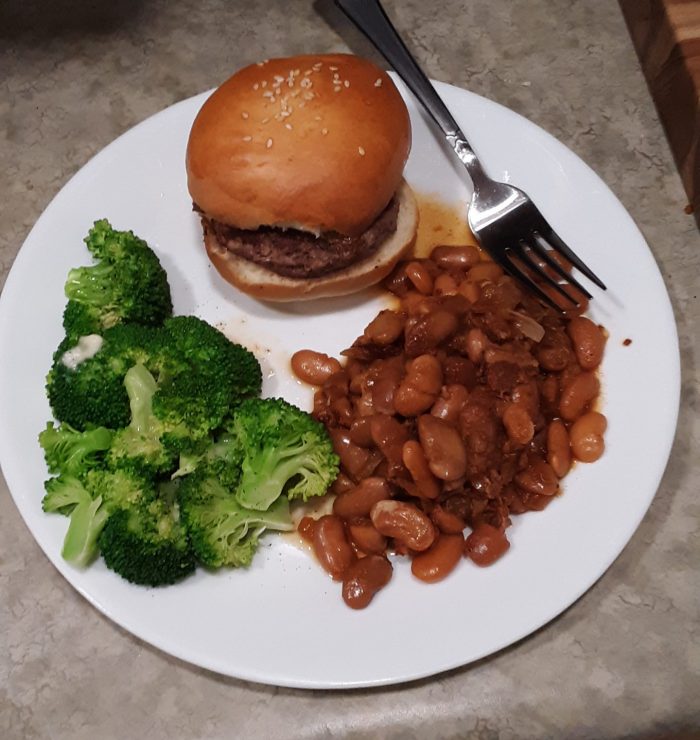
(91, 391)
(67, 495)
(221, 531)
(140, 446)
(200, 375)
(284, 451)
(147, 544)
(128, 284)
(68, 451)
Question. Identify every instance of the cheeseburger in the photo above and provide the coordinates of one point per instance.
(295, 166)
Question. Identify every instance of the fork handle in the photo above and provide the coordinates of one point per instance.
(369, 16)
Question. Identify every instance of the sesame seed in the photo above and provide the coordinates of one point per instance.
(288, 126)
(307, 72)
(309, 95)
(346, 83)
(317, 118)
(265, 120)
(378, 83)
(263, 83)
(268, 143)
(279, 78)
(333, 69)
(296, 72)
(337, 88)
(268, 94)
(256, 86)
(306, 82)
(244, 114)
(324, 131)
(361, 150)
(247, 138)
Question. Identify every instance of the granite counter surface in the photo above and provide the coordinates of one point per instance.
(624, 661)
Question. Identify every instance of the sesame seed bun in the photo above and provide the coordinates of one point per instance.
(313, 142)
(267, 285)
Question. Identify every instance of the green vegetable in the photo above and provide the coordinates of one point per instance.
(146, 544)
(221, 531)
(93, 394)
(68, 451)
(128, 284)
(285, 451)
(67, 495)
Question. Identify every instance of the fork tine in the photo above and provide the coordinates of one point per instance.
(543, 253)
(557, 243)
(518, 274)
(530, 263)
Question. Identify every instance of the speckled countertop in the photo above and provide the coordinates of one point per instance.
(624, 661)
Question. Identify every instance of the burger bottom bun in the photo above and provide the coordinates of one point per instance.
(268, 286)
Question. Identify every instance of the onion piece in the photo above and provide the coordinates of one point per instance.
(528, 326)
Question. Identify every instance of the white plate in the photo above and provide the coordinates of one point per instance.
(283, 621)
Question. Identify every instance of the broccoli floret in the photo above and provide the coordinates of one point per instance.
(71, 452)
(140, 446)
(92, 392)
(67, 495)
(221, 457)
(200, 376)
(207, 375)
(221, 531)
(146, 544)
(128, 284)
(284, 450)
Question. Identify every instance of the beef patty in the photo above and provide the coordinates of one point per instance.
(300, 254)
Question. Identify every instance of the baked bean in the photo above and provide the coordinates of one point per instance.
(364, 578)
(405, 523)
(586, 434)
(440, 559)
(417, 465)
(360, 432)
(471, 291)
(306, 528)
(455, 258)
(558, 448)
(429, 331)
(418, 274)
(528, 396)
(518, 423)
(485, 270)
(443, 448)
(341, 484)
(445, 284)
(389, 435)
(418, 390)
(366, 538)
(358, 502)
(577, 394)
(447, 521)
(588, 341)
(450, 403)
(485, 545)
(331, 546)
(477, 342)
(385, 328)
(358, 461)
(538, 478)
(312, 367)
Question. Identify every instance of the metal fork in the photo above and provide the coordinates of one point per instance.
(505, 221)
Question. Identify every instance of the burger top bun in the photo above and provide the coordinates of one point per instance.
(313, 142)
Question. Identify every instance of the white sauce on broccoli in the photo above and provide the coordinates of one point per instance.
(86, 348)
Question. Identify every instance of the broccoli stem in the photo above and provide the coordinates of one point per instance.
(86, 522)
(263, 479)
(140, 386)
